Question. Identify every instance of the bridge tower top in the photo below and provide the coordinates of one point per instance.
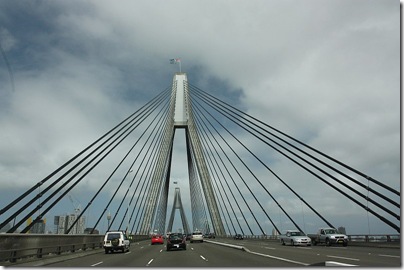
(180, 90)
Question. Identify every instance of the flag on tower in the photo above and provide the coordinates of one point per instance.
(175, 60)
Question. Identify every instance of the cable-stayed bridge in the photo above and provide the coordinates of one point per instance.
(231, 161)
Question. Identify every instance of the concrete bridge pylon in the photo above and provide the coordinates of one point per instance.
(177, 205)
(181, 117)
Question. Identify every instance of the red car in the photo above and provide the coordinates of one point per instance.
(157, 239)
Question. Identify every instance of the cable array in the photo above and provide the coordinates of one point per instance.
(243, 156)
(50, 191)
(222, 125)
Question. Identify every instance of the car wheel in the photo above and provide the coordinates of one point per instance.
(345, 244)
(106, 251)
(282, 242)
(327, 242)
(292, 243)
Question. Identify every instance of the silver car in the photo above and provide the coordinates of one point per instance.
(295, 237)
(196, 236)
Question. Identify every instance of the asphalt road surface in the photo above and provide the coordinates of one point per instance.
(255, 254)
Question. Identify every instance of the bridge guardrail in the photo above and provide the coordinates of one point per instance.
(17, 246)
(358, 238)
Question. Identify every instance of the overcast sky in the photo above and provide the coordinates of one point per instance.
(326, 72)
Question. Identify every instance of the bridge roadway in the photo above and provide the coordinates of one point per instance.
(244, 253)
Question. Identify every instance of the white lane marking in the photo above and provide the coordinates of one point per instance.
(278, 258)
(331, 263)
(149, 262)
(192, 248)
(305, 247)
(203, 258)
(269, 248)
(161, 250)
(391, 256)
(127, 252)
(339, 247)
(344, 258)
(96, 263)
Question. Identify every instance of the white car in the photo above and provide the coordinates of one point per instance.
(196, 236)
(116, 241)
(295, 237)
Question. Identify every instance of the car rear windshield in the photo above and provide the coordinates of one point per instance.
(197, 233)
(111, 236)
(175, 236)
(297, 234)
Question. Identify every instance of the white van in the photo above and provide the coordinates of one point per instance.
(116, 241)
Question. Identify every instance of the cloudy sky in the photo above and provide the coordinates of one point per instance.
(326, 72)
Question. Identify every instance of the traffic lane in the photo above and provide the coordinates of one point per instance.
(222, 256)
(299, 255)
(177, 258)
(356, 255)
(113, 259)
(139, 256)
(196, 255)
(362, 256)
(153, 256)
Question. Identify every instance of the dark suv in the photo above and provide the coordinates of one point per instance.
(176, 241)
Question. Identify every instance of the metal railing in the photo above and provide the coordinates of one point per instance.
(379, 238)
(18, 246)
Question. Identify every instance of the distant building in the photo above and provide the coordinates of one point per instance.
(342, 230)
(274, 232)
(5, 228)
(59, 222)
(63, 223)
(88, 231)
(38, 227)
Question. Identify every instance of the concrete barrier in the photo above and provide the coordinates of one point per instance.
(17, 246)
